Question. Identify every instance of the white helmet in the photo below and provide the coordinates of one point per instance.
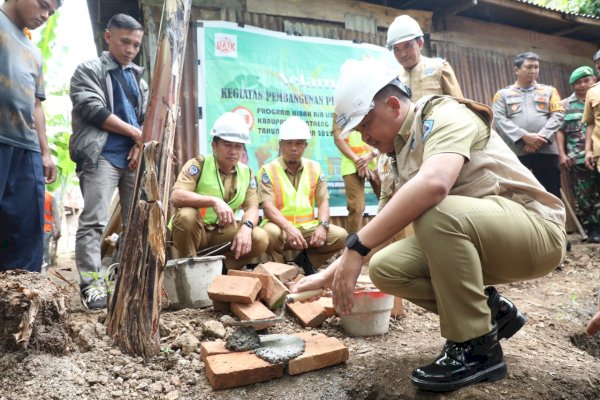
(231, 127)
(294, 128)
(404, 28)
(359, 82)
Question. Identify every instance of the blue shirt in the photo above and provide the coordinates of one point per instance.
(117, 146)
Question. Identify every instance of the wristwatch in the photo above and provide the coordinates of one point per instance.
(353, 243)
(249, 224)
(324, 224)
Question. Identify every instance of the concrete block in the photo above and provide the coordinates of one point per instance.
(309, 314)
(265, 281)
(239, 368)
(283, 272)
(319, 353)
(256, 310)
(234, 289)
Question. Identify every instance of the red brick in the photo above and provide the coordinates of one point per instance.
(239, 368)
(398, 309)
(256, 310)
(265, 280)
(310, 335)
(220, 306)
(309, 314)
(283, 272)
(319, 353)
(277, 290)
(327, 303)
(212, 348)
(234, 289)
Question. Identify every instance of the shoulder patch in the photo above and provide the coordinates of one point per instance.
(429, 71)
(427, 128)
(193, 171)
(322, 177)
(265, 178)
(253, 183)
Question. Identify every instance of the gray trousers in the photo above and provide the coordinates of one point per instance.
(98, 186)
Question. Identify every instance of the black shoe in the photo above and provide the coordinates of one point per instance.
(94, 296)
(505, 314)
(303, 262)
(463, 364)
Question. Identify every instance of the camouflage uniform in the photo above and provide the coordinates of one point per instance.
(584, 182)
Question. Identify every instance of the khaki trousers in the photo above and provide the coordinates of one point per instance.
(460, 246)
(278, 243)
(189, 234)
(355, 199)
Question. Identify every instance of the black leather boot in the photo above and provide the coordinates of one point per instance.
(463, 364)
(303, 262)
(505, 314)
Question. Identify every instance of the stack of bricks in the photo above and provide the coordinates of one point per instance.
(227, 369)
(253, 295)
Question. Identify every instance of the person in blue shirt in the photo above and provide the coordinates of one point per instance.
(109, 100)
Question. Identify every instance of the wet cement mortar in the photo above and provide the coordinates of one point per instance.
(548, 359)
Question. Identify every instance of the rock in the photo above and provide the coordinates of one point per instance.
(196, 364)
(156, 387)
(163, 329)
(174, 395)
(187, 342)
(175, 381)
(214, 329)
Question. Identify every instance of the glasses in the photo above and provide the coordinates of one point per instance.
(343, 119)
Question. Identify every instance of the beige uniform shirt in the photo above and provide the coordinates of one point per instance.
(444, 125)
(591, 115)
(192, 171)
(431, 76)
(265, 186)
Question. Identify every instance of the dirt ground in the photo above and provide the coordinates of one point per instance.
(550, 358)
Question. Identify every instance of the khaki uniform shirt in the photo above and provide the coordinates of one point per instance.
(430, 76)
(444, 125)
(591, 115)
(265, 186)
(192, 171)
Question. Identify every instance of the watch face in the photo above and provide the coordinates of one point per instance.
(351, 240)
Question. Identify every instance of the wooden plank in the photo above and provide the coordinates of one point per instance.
(335, 11)
(486, 35)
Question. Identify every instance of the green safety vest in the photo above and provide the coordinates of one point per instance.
(297, 206)
(210, 184)
(359, 148)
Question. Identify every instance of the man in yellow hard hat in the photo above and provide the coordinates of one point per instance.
(210, 191)
(480, 218)
(290, 188)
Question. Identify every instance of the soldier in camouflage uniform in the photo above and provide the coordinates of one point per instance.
(570, 140)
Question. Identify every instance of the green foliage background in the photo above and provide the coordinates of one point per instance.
(588, 7)
(58, 125)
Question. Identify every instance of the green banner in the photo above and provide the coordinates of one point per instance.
(269, 76)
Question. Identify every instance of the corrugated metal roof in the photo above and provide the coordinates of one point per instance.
(534, 4)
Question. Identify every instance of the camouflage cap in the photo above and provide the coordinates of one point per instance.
(579, 73)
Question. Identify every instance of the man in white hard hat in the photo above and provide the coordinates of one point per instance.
(423, 75)
(290, 187)
(210, 191)
(480, 218)
(596, 59)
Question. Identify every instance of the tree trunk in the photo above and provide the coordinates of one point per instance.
(134, 309)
